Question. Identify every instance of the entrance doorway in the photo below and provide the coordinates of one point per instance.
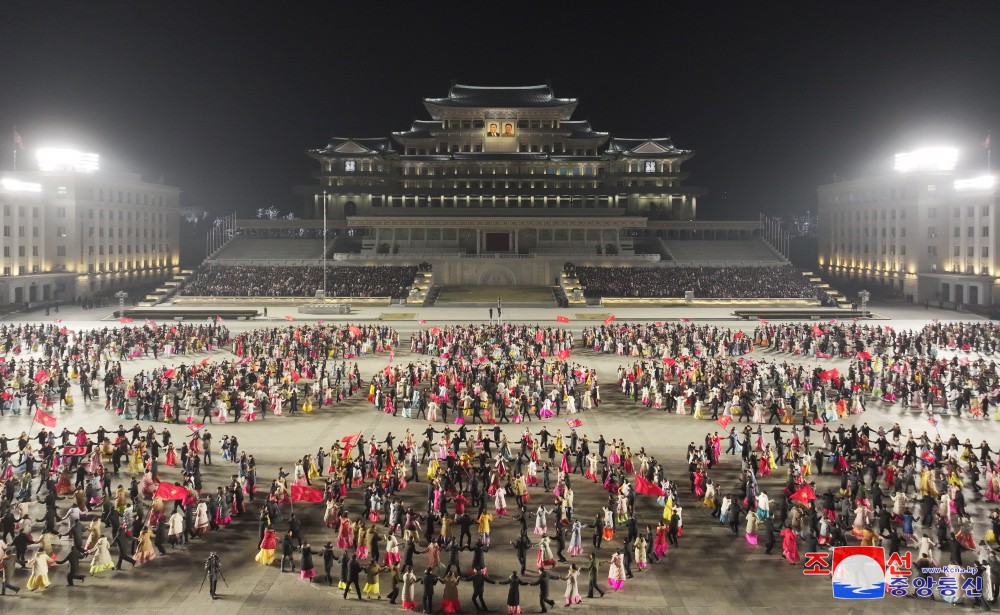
(497, 242)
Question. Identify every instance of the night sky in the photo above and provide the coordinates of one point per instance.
(223, 98)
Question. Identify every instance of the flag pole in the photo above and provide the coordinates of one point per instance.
(13, 147)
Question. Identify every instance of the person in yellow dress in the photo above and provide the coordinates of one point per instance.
(484, 527)
(39, 566)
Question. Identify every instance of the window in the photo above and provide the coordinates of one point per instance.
(970, 252)
(6, 231)
(986, 231)
(349, 166)
(6, 251)
(956, 232)
(902, 232)
(60, 250)
(970, 231)
(970, 211)
(20, 250)
(931, 232)
(932, 212)
(902, 250)
(956, 212)
(34, 250)
(931, 250)
(60, 231)
(650, 166)
(986, 252)
(986, 211)
(60, 212)
(34, 231)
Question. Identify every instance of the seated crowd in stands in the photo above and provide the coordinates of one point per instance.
(260, 281)
(706, 282)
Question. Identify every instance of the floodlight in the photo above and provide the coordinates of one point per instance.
(63, 159)
(927, 159)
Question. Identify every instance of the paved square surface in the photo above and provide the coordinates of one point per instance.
(712, 571)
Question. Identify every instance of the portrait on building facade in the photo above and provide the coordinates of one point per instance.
(496, 128)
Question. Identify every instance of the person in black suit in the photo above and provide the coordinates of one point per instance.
(429, 581)
(353, 576)
(73, 558)
(543, 589)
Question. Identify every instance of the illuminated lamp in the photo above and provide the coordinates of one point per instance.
(927, 159)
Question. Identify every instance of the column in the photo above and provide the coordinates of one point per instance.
(516, 233)
(478, 241)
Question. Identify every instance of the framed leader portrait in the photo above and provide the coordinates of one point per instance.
(493, 128)
(499, 128)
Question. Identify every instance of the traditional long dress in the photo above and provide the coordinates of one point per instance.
(39, 566)
(790, 545)
(102, 557)
(267, 545)
(616, 572)
(408, 595)
(640, 552)
(576, 539)
(572, 587)
(144, 550)
(545, 557)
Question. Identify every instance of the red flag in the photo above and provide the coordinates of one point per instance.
(126, 321)
(834, 321)
(150, 323)
(669, 361)
(219, 319)
(724, 421)
(762, 321)
(539, 336)
(822, 355)
(289, 318)
(644, 487)
(422, 321)
(41, 376)
(44, 418)
(173, 329)
(16, 138)
(803, 495)
(64, 330)
(74, 451)
(166, 491)
(58, 320)
(306, 494)
(609, 319)
(170, 373)
(205, 361)
(354, 331)
(738, 335)
(563, 355)
(926, 456)
(574, 423)
(196, 427)
(830, 374)
(296, 376)
(817, 331)
(562, 319)
(435, 330)
(864, 355)
(683, 320)
(351, 440)
(479, 360)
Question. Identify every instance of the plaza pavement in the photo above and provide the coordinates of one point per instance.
(711, 572)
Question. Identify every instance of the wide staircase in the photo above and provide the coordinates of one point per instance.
(166, 289)
(836, 295)
(249, 251)
(707, 252)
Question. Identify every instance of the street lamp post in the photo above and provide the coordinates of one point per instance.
(122, 295)
(324, 245)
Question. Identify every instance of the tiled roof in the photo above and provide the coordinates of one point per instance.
(521, 96)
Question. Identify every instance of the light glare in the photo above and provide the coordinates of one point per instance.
(64, 159)
(16, 185)
(983, 182)
(927, 159)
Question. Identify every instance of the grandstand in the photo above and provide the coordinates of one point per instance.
(249, 251)
(709, 252)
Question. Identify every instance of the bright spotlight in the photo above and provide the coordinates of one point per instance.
(16, 185)
(983, 182)
(927, 159)
(62, 159)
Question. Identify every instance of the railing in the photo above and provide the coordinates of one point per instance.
(194, 299)
(266, 262)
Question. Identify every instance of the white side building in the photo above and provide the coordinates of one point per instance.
(70, 233)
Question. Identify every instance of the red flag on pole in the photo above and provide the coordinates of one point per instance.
(126, 321)
(289, 318)
(166, 491)
(306, 494)
(170, 373)
(354, 331)
(44, 418)
(724, 421)
(610, 319)
(562, 355)
(817, 331)
(574, 423)
(351, 440)
(803, 495)
(762, 321)
(669, 361)
(19, 142)
(644, 487)
(41, 376)
(562, 319)
(864, 355)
